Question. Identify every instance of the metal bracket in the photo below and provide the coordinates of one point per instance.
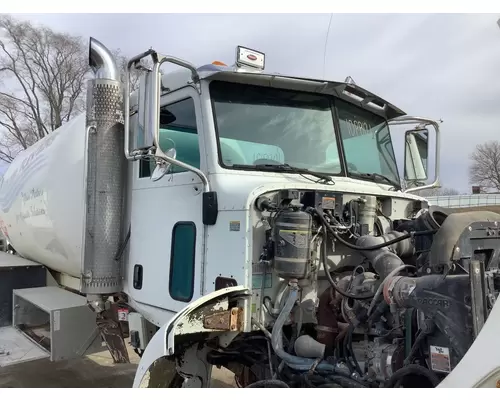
(230, 320)
(478, 298)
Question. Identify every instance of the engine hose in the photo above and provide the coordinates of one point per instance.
(332, 282)
(381, 286)
(420, 337)
(412, 369)
(300, 363)
(294, 362)
(374, 247)
(269, 383)
(351, 350)
(346, 382)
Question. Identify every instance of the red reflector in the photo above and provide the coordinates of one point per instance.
(251, 57)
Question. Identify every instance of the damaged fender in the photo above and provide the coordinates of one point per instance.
(208, 314)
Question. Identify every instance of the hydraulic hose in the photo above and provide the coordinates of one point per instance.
(294, 362)
(277, 339)
(381, 286)
(346, 382)
(374, 247)
(269, 383)
(412, 369)
(378, 248)
(324, 262)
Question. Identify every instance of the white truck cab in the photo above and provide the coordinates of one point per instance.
(253, 221)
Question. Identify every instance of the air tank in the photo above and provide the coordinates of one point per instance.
(61, 200)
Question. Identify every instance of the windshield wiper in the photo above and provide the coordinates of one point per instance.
(284, 168)
(374, 177)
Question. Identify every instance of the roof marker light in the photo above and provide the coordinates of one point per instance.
(220, 63)
(246, 57)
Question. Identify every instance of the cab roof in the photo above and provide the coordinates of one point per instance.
(347, 91)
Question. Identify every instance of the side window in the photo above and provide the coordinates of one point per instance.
(182, 259)
(177, 129)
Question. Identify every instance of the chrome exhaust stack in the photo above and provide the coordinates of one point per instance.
(105, 181)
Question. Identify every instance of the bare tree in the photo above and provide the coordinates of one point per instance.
(122, 62)
(485, 168)
(43, 78)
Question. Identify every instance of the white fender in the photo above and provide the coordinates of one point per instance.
(163, 342)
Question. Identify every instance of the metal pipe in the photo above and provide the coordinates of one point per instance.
(201, 175)
(102, 61)
(157, 88)
(126, 116)
(156, 106)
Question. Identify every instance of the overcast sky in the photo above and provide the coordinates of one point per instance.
(436, 65)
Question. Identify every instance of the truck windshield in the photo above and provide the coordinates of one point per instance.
(367, 142)
(260, 125)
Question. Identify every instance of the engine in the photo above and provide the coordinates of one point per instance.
(401, 308)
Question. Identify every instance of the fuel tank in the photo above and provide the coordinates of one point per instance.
(42, 204)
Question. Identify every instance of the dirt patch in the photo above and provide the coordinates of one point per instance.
(95, 371)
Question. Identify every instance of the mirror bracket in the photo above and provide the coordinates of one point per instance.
(211, 210)
(150, 90)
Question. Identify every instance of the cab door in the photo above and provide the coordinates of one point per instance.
(166, 235)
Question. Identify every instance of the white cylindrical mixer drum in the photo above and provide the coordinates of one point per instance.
(42, 199)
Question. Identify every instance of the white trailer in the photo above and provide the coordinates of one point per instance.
(249, 220)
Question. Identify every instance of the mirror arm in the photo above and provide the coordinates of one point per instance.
(404, 120)
(174, 161)
(156, 106)
(157, 60)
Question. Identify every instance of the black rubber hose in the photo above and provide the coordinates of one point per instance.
(346, 382)
(412, 369)
(421, 336)
(374, 247)
(332, 282)
(268, 383)
(345, 352)
(351, 350)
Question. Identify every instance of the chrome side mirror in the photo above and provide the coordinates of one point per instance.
(163, 167)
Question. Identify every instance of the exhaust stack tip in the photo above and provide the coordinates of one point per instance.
(102, 62)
